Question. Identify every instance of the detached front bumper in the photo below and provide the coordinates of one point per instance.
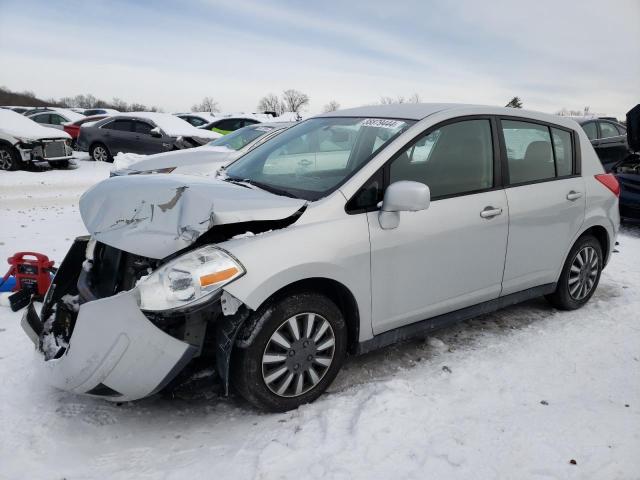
(114, 351)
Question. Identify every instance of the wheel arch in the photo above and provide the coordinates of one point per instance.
(336, 292)
(601, 234)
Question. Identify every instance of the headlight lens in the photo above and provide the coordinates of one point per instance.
(188, 280)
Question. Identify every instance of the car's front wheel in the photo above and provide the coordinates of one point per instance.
(9, 158)
(580, 274)
(100, 153)
(292, 351)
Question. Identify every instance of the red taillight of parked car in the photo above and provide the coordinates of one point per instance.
(610, 181)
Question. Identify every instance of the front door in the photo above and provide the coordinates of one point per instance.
(451, 255)
(147, 144)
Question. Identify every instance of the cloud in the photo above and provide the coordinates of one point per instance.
(552, 54)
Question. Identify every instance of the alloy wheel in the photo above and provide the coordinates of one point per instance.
(298, 354)
(100, 154)
(583, 273)
(6, 159)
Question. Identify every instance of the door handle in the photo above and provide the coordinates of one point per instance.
(304, 163)
(573, 195)
(490, 212)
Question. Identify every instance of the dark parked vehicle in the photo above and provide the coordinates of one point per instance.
(140, 132)
(73, 129)
(229, 124)
(100, 111)
(609, 139)
(628, 170)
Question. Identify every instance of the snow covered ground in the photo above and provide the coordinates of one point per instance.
(527, 392)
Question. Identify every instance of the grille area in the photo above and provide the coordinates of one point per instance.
(54, 149)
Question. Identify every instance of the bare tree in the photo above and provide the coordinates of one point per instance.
(515, 102)
(415, 98)
(564, 112)
(271, 103)
(294, 100)
(332, 106)
(208, 104)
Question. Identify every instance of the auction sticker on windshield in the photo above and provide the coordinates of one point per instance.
(382, 123)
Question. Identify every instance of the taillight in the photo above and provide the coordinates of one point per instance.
(610, 181)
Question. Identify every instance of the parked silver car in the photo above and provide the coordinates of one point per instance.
(345, 233)
(207, 159)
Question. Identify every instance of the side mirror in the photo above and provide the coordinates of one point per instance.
(155, 132)
(402, 196)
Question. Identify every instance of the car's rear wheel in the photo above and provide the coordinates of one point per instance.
(295, 349)
(100, 153)
(580, 274)
(9, 158)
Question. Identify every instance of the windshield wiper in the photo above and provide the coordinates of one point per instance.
(262, 186)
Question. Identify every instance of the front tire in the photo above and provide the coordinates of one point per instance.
(294, 351)
(99, 152)
(580, 275)
(9, 158)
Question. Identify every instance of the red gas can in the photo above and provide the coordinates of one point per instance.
(31, 271)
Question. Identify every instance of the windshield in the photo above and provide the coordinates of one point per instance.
(241, 137)
(313, 158)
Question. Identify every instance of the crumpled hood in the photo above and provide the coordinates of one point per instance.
(157, 215)
(181, 158)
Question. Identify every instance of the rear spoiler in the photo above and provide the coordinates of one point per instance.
(633, 128)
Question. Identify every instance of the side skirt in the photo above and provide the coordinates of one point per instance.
(423, 327)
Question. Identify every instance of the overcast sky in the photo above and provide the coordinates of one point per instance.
(552, 54)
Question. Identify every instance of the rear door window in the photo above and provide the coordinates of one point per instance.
(563, 148)
(56, 119)
(529, 151)
(608, 130)
(591, 130)
(121, 125)
(42, 118)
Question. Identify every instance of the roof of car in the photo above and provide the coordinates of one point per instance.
(419, 111)
(409, 111)
(586, 118)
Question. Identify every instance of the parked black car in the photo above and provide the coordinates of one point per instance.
(141, 132)
(628, 170)
(608, 137)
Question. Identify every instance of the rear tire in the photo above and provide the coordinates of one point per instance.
(100, 153)
(9, 158)
(295, 348)
(580, 275)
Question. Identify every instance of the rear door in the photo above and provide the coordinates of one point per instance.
(611, 145)
(118, 136)
(546, 197)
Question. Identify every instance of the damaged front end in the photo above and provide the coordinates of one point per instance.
(97, 340)
(131, 306)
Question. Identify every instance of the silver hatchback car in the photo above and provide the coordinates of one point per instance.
(346, 233)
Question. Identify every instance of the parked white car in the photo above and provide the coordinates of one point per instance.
(55, 117)
(423, 216)
(206, 160)
(23, 141)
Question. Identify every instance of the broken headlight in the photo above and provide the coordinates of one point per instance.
(188, 280)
